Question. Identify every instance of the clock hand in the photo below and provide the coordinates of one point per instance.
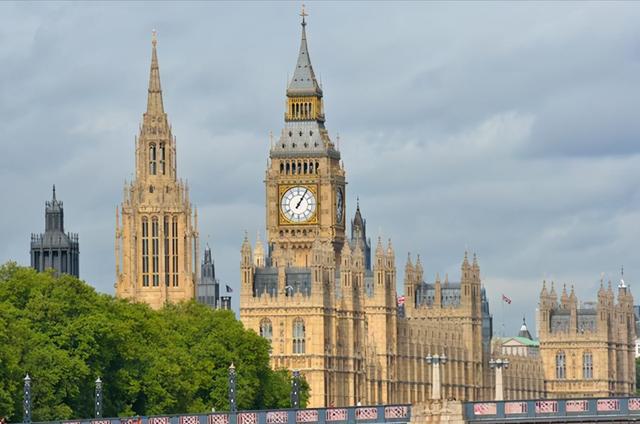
(300, 201)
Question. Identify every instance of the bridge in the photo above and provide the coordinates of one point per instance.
(400, 414)
(585, 410)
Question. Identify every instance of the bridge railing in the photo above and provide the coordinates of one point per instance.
(545, 409)
(353, 414)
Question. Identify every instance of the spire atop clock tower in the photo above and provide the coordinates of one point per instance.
(304, 82)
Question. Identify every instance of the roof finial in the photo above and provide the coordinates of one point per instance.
(54, 192)
(303, 14)
(154, 37)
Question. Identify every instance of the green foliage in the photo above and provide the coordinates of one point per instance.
(175, 360)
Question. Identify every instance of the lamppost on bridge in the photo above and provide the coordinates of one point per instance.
(295, 390)
(98, 398)
(498, 365)
(435, 362)
(232, 388)
(26, 419)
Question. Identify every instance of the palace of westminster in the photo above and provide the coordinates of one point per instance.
(326, 298)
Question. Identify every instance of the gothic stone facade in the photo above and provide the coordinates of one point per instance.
(156, 245)
(327, 307)
(588, 349)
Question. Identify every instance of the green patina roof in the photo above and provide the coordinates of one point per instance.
(525, 341)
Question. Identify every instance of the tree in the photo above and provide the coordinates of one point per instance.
(175, 360)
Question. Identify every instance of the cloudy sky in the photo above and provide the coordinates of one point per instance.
(512, 130)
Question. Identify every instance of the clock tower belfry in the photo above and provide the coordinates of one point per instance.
(305, 181)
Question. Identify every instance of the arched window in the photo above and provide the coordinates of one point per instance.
(165, 230)
(152, 159)
(587, 365)
(162, 156)
(145, 252)
(174, 250)
(266, 329)
(561, 366)
(155, 250)
(298, 336)
(293, 110)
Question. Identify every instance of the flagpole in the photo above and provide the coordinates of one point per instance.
(503, 302)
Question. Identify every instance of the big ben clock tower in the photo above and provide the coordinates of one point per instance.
(305, 182)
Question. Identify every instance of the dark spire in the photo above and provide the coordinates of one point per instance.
(357, 220)
(54, 214)
(304, 81)
(524, 331)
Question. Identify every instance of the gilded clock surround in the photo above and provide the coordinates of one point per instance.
(313, 188)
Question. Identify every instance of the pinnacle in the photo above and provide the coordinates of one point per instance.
(154, 100)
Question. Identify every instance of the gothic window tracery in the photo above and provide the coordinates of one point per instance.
(145, 252)
(152, 159)
(298, 336)
(561, 365)
(587, 365)
(155, 261)
(266, 329)
(166, 250)
(174, 250)
(162, 159)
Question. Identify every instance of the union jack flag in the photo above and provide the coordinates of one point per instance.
(400, 300)
(506, 299)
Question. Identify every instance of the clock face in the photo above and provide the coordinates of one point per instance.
(298, 204)
(339, 205)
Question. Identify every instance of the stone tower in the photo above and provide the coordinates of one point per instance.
(54, 248)
(296, 294)
(305, 182)
(157, 241)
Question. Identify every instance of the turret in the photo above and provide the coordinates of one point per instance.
(345, 273)
(409, 282)
(564, 298)
(258, 253)
(246, 268)
(437, 302)
(419, 270)
(572, 304)
(475, 269)
(466, 280)
(553, 297)
(391, 276)
(544, 308)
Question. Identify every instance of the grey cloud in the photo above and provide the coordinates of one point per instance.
(507, 129)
